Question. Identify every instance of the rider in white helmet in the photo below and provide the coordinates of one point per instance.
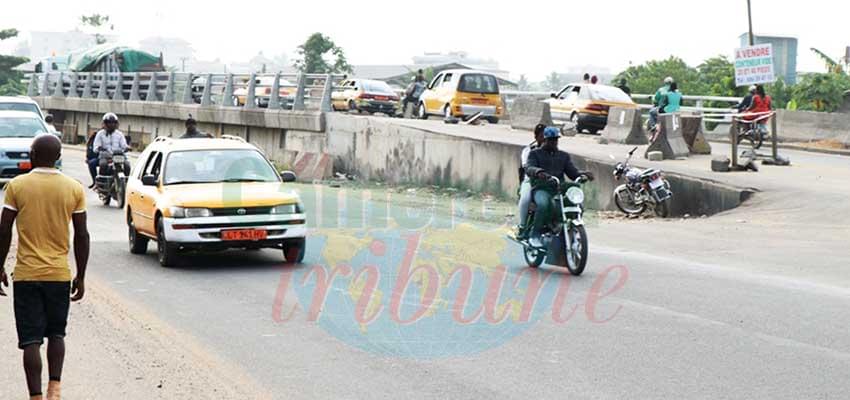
(110, 139)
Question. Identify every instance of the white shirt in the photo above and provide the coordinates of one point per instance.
(111, 142)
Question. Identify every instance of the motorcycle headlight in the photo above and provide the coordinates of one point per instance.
(180, 212)
(575, 195)
(286, 209)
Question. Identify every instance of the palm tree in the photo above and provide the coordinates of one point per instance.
(831, 65)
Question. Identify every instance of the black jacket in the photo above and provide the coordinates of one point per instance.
(745, 103)
(90, 153)
(196, 135)
(556, 163)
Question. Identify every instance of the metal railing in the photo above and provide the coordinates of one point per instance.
(719, 115)
(274, 91)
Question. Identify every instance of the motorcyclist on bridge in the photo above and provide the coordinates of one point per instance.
(543, 164)
(110, 139)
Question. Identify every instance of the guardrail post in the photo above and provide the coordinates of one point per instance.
(168, 96)
(298, 104)
(774, 138)
(187, 90)
(274, 100)
(733, 133)
(59, 89)
(72, 90)
(45, 85)
(227, 99)
(206, 97)
(251, 98)
(326, 94)
(102, 88)
(134, 90)
(118, 94)
(152, 87)
(32, 86)
(87, 86)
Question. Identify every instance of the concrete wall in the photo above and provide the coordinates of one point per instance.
(805, 126)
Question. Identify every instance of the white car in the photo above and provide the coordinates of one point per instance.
(17, 131)
(20, 103)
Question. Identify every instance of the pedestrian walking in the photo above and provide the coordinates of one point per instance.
(42, 204)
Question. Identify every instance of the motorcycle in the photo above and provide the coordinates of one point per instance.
(642, 189)
(565, 239)
(112, 180)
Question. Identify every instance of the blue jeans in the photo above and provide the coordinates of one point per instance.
(653, 117)
(92, 163)
(543, 213)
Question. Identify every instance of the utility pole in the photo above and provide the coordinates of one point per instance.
(750, 17)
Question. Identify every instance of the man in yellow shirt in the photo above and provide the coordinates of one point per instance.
(44, 202)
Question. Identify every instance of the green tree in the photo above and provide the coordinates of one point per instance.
(832, 66)
(320, 55)
(553, 82)
(99, 23)
(10, 79)
(821, 92)
(647, 78)
(523, 83)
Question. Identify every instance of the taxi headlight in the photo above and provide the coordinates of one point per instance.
(181, 212)
(575, 195)
(285, 209)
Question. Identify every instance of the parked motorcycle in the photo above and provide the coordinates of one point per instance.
(565, 238)
(112, 180)
(642, 189)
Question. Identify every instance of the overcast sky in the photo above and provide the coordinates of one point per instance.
(529, 36)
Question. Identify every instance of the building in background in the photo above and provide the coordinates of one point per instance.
(461, 58)
(784, 55)
(176, 53)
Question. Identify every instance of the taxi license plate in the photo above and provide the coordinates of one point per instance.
(381, 98)
(479, 101)
(244, 234)
(24, 165)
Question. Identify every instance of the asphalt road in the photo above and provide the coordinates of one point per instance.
(665, 324)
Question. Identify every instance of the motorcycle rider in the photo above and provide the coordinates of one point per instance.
(745, 104)
(112, 140)
(525, 182)
(192, 131)
(543, 164)
(660, 94)
(414, 91)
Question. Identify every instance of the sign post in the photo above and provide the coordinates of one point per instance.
(754, 64)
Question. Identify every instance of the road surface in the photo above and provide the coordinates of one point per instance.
(723, 307)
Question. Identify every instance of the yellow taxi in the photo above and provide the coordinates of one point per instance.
(587, 105)
(211, 194)
(462, 93)
(365, 95)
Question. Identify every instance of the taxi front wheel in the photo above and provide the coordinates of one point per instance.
(294, 251)
(167, 251)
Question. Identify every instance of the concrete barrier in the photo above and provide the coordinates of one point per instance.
(308, 166)
(693, 134)
(624, 126)
(669, 140)
(808, 126)
(527, 112)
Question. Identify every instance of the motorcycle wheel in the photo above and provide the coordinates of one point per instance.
(627, 207)
(121, 196)
(533, 257)
(577, 257)
(662, 209)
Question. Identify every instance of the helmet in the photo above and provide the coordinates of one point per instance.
(110, 117)
(551, 132)
(752, 88)
(668, 80)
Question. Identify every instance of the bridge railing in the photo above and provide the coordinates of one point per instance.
(717, 114)
(287, 91)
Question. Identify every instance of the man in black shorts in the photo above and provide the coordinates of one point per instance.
(44, 202)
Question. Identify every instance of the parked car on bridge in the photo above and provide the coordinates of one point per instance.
(462, 93)
(211, 194)
(17, 131)
(587, 105)
(366, 95)
(263, 91)
(20, 103)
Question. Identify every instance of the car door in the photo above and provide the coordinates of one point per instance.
(148, 196)
(134, 183)
(429, 98)
(446, 92)
(559, 105)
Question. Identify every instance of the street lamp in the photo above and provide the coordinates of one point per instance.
(750, 17)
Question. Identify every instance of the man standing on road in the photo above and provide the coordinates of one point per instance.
(192, 131)
(43, 203)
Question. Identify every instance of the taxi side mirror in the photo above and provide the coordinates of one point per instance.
(288, 176)
(553, 95)
(149, 180)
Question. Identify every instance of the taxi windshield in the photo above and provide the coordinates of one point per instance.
(213, 166)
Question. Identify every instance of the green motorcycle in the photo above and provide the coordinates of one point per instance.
(565, 237)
